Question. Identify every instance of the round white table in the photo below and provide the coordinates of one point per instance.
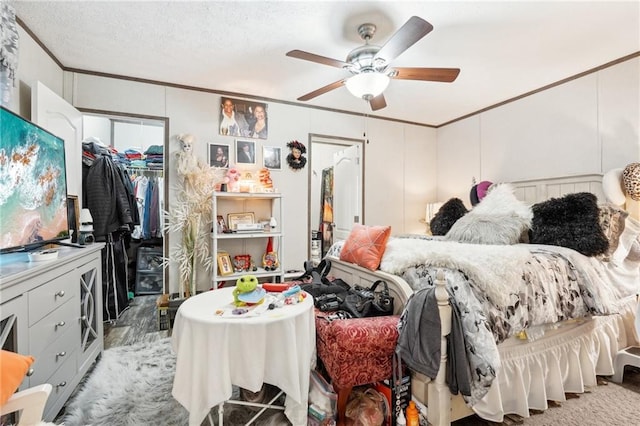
(216, 349)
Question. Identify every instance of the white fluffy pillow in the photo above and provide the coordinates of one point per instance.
(500, 218)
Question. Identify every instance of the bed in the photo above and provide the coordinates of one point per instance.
(519, 357)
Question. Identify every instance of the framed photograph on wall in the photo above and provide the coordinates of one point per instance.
(272, 157)
(218, 155)
(245, 152)
(73, 216)
(243, 118)
(225, 267)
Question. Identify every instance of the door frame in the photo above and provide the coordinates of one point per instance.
(317, 138)
(165, 171)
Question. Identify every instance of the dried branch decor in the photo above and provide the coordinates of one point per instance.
(191, 214)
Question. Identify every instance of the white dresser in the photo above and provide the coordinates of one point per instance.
(52, 310)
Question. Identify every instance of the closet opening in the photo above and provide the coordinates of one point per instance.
(139, 144)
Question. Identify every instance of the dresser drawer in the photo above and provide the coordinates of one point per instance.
(62, 382)
(53, 356)
(50, 296)
(54, 326)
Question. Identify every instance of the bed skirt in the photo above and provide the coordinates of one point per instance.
(566, 360)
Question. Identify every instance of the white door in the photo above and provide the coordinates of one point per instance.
(53, 113)
(347, 191)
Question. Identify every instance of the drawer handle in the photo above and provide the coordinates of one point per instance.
(59, 354)
(60, 293)
(60, 324)
(30, 372)
(61, 384)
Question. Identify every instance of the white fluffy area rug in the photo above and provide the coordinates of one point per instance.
(131, 386)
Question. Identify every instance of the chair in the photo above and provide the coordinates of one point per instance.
(30, 402)
(356, 352)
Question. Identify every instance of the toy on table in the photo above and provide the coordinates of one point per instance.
(247, 291)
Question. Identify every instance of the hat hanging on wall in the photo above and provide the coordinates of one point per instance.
(631, 180)
(479, 191)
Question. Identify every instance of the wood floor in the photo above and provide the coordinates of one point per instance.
(138, 323)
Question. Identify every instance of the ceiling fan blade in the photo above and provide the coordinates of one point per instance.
(322, 90)
(317, 58)
(445, 75)
(378, 102)
(412, 31)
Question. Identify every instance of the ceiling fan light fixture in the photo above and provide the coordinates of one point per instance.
(367, 85)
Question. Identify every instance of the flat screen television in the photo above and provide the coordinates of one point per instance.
(33, 185)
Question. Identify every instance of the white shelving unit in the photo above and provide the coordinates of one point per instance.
(264, 206)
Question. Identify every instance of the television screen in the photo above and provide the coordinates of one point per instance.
(33, 185)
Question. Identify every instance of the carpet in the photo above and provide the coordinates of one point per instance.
(131, 386)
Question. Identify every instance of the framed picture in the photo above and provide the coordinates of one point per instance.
(245, 152)
(235, 218)
(221, 226)
(225, 267)
(272, 157)
(243, 118)
(218, 155)
(73, 216)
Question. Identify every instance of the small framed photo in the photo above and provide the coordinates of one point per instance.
(218, 155)
(245, 152)
(221, 226)
(235, 218)
(225, 267)
(272, 157)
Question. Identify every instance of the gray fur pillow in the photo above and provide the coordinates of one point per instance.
(499, 218)
(571, 221)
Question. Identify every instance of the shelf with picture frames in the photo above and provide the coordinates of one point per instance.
(246, 224)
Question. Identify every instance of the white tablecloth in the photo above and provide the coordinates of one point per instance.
(214, 352)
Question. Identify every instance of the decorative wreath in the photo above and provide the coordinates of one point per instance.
(296, 163)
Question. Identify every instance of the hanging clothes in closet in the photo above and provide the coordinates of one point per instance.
(148, 187)
(108, 194)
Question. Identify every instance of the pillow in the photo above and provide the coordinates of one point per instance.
(486, 229)
(448, 214)
(499, 218)
(571, 221)
(365, 245)
(13, 368)
(612, 220)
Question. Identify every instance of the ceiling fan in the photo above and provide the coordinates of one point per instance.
(369, 64)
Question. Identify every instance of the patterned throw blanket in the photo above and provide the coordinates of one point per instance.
(502, 290)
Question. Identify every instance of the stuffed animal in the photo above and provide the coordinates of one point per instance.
(244, 284)
(232, 179)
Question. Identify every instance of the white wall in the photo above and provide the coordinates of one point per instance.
(587, 125)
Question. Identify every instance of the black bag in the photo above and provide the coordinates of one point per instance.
(363, 302)
(317, 283)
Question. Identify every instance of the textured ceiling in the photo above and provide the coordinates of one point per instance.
(504, 49)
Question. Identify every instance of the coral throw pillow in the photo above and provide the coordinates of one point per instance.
(13, 368)
(365, 245)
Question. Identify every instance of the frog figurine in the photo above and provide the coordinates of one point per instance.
(244, 284)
